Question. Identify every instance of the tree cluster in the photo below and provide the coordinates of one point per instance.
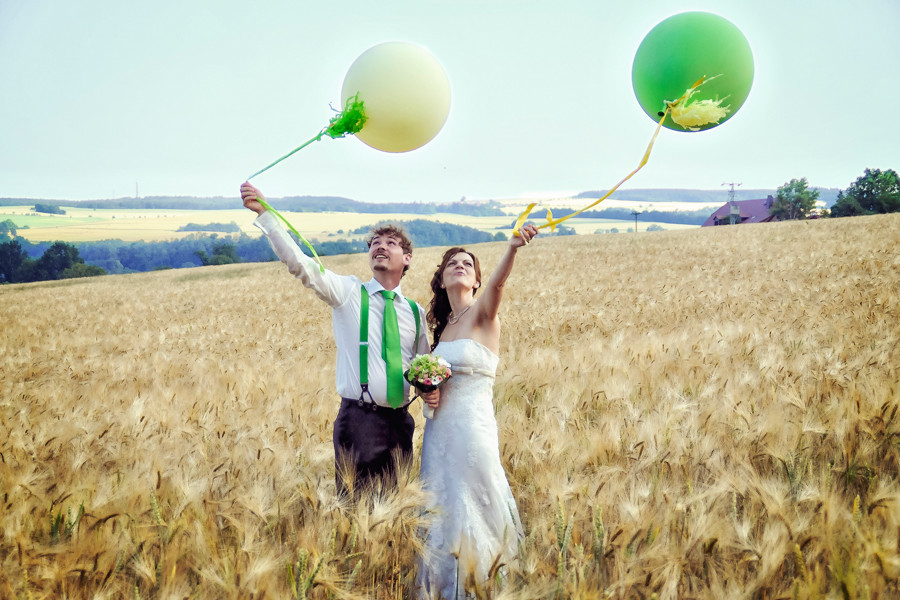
(59, 261)
(50, 209)
(8, 229)
(876, 192)
(223, 254)
(794, 200)
(18, 262)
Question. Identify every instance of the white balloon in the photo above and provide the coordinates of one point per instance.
(405, 92)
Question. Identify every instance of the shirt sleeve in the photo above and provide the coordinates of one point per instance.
(422, 345)
(331, 288)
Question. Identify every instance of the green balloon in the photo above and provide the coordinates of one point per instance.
(680, 51)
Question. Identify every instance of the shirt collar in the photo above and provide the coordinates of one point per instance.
(374, 287)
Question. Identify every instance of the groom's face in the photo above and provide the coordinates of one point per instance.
(386, 254)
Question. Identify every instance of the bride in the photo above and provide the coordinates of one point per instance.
(475, 519)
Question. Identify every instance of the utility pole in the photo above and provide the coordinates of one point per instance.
(731, 192)
(635, 213)
(735, 214)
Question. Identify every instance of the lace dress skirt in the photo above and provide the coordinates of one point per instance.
(474, 518)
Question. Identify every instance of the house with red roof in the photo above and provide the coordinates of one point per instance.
(738, 212)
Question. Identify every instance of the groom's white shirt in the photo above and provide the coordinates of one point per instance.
(342, 294)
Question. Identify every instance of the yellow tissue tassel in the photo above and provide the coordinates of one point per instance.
(694, 115)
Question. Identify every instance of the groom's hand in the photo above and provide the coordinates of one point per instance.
(432, 399)
(251, 197)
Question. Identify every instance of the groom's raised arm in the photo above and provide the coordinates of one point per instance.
(331, 288)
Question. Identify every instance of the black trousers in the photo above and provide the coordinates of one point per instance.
(365, 440)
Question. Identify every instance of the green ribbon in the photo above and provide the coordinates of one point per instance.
(268, 207)
(349, 121)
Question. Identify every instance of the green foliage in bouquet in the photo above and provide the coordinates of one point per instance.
(428, 371)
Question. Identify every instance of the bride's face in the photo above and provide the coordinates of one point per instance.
(460, 272)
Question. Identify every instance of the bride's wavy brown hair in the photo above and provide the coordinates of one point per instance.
(439, 309)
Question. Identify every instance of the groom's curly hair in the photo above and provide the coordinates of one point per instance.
(439, 309)
(394, 230)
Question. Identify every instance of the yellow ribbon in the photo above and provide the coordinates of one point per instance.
(552, 223)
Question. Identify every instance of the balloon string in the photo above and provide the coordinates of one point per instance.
(291, 153)
(552, 223)
(349, 121)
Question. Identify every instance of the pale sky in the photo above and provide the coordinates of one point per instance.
(187, 98)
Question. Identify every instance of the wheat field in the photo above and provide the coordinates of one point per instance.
(696, 414)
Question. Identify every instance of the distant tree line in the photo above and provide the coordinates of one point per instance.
(23, 261)
(557, 231)
(117, 256)
(826, 195)
(652, 196)
(681, 217)
(425, 233)
(291, 203)
(216, 227)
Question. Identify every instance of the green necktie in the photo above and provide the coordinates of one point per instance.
(390, 350)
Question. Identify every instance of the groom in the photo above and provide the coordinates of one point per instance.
(373, 421)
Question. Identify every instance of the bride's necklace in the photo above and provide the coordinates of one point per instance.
(452, 319)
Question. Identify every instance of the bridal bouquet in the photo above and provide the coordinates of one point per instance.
(427, 372)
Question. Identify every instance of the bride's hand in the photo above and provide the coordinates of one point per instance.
(433, 398)
(526, 234)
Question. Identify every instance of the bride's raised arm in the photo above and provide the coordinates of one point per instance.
(489, 305)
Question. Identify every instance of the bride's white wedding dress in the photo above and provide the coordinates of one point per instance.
(475, 518)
